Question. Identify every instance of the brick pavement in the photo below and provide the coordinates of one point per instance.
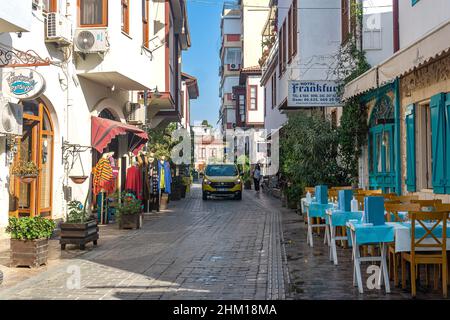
(219, 249)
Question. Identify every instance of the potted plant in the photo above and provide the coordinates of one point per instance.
(26, 171)
(80, 227)
(29, 240)
(129, 212)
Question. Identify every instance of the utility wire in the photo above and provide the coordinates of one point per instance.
(215, 3)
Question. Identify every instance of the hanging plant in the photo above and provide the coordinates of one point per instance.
(26, 171)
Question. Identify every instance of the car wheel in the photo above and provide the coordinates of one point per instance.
(204, 196)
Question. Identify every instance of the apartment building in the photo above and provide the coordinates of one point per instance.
(189, 91)
(230, 62)
(87, 66)
(301, 40)
(406, 96)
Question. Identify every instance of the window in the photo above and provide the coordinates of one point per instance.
(242, 107)
(233, 56)
(49, 5)
(294, 27)
(125, 16)
(284, 45)
(274, 90)
(280, 52)
(213, 153)
(290, 35)
(93, 13)
(203, 154)
(423, 146)
(414, 2)
(145, 24)
(372, 38)
(253, 99)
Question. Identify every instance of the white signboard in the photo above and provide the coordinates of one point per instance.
(314, 93)
(23, 84)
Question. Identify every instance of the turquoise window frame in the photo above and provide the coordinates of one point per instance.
(414, 2)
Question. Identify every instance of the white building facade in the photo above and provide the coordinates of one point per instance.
(96, 58)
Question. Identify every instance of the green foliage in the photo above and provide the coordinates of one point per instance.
(309, 153)
(30, 228)
(161, 142)
(244, 167)
(77, 212)
(25, 168)
(128, 205)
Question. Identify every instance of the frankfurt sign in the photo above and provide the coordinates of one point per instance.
(23, 84)
(313, 93)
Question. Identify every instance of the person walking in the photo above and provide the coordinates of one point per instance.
(257, 177)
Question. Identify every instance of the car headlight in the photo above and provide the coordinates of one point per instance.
(206, 181)
(238, 181)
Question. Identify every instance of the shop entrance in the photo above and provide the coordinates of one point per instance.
(36, 144)
(381, 146)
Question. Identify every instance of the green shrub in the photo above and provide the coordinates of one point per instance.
(309, 153)
(77, 212)
(30, 228)
(128, 205)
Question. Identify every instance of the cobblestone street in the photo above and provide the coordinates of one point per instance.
(218, 249)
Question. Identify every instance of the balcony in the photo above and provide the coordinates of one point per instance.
(16, 16)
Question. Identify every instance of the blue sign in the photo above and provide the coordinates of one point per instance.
(23, 84)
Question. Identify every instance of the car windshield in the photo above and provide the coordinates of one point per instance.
(221, 171)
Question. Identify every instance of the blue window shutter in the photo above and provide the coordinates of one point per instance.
(437, 108)
(447, 147)
(411, 148)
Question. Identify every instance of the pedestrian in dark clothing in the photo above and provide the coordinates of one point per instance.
(257, 177)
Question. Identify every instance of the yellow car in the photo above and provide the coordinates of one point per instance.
(222, 180)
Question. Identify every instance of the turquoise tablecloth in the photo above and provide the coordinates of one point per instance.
(317, 210)
(366, 234)
(340, 218)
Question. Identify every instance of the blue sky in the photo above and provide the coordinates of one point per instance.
(202, 59)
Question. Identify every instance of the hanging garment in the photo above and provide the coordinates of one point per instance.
(115, 168)
(103, 178)
(154, 177)
(134, 181)
(164, 176)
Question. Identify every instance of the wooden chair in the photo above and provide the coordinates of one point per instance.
(392, 209)
(436, 257)
(405, 199)
(311, 190)
(428, 203)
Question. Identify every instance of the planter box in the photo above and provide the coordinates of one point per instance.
(78, 234)
(131, 221)
(29, 253)
(183, 191)
(164, 201)
(176, 193)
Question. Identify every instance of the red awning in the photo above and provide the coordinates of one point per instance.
(104, 130)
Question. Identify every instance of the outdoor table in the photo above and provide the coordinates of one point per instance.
(339, 218)
(317, 210)
(362, 234)
(402, 234)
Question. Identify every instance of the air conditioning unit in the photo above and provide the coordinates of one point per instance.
(11, 118)
(132, 112)
(234, 67)
(92, 40)
(58, 29)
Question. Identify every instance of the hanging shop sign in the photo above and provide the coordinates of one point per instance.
(316, 93)
(23, 84)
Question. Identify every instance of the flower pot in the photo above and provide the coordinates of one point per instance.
(29, 253)
(164, 201)
(78, 179)
(27, 179)
(131, 221)
(79, 234)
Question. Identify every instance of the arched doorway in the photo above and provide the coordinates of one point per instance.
(381, 145)
(36, 144)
